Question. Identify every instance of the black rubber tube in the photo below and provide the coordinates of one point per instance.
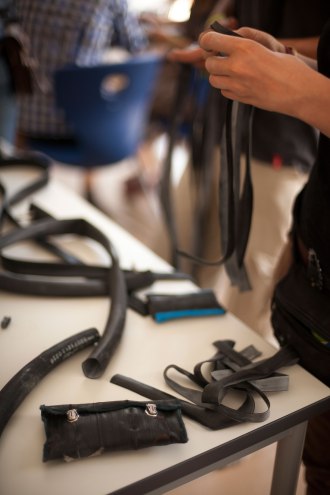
(95, 364)
(21, 384)
(34, 160)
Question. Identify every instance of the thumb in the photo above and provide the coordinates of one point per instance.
(219, 43)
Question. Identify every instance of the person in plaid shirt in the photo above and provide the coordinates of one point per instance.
(70, 31)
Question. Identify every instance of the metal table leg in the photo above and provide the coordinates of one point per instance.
(288, 460)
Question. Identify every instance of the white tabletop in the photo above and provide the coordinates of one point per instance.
(145, 350)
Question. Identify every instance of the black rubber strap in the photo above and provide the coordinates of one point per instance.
(215, 391)
(165, 190)
(227, 202)
(209, 127)
(210, 418)
(245, 413)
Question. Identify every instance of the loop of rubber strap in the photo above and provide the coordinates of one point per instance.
(207, 408)
(235, 210)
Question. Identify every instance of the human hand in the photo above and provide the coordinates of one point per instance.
(254, 70)
(193, 54)
(263, 38)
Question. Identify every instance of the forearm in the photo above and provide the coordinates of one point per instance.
(305, 46)
(303, 93)
(314, 107)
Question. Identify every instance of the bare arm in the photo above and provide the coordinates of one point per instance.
(305, 46)
(257, 72)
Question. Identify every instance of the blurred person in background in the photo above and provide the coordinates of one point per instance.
(65, 32)
(179, 31)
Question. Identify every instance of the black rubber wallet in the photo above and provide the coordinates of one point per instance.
(82, 430)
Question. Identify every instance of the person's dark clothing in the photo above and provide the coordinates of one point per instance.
(313, 204)
(312, 224)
